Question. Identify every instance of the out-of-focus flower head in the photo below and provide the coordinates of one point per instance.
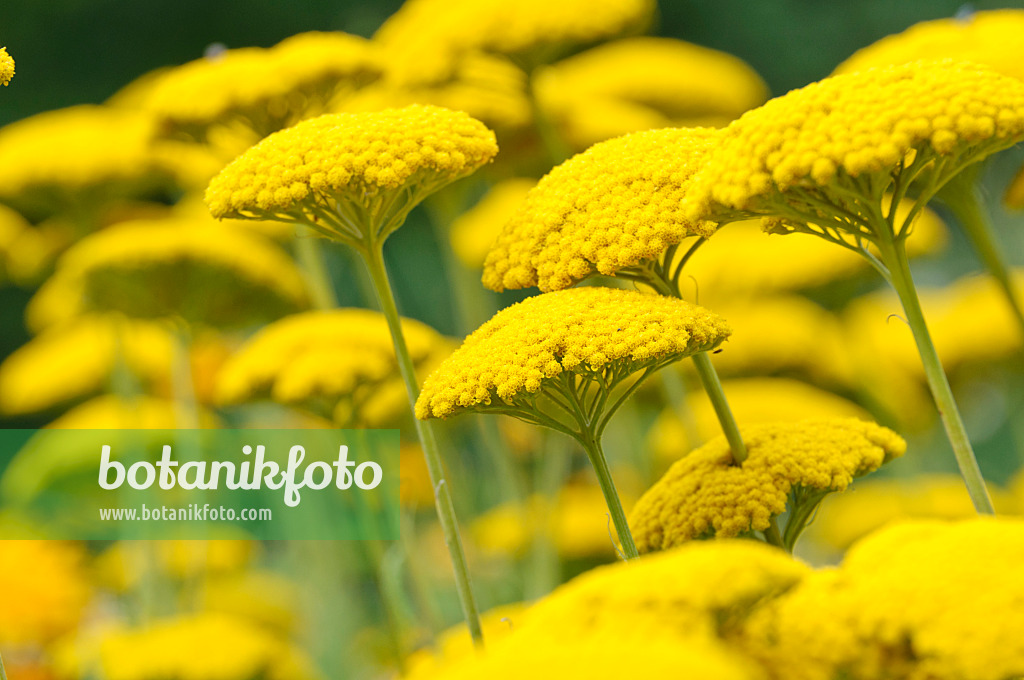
(425, 39)
(930, 599)
(742, 260)
(6, 67)
(826, 154)
(610, 208)
(124, 564)
(208, 274)
(261, 90)
(77, 360)
(111, 412)
(474, 232)
(324, 356)
(706, 494)
(754, 401)
(599, 334)
(45, 590)
(83, 158)
(455, 644)
(654, 82)
(343, 174)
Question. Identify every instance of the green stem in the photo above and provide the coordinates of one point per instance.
(310, 257)
(894, 256)
(963, 199)
(373, 257)
(774, 537)
(3, 673)
(713, 386)
(592, 445)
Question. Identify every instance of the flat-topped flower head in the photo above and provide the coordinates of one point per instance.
(827, 153)
(326, 171)
(6, 67)
(323, 356)
(425, 39)
(593, 333)
(263, 89)
(706, 494)
(984, 37)
(196, 270)
(610, 208)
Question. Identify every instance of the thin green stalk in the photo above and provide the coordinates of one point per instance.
(592, 445)
(713, 386)
(963, 198)
(373, 257)
(774, 537)
(894, 256)
(3, 673)
(310, 257)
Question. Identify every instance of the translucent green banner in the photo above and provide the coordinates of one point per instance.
(199, 484)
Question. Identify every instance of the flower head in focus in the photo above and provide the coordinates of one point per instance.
(349, 173)
(6, 67)
(612, 208)
(706, 494)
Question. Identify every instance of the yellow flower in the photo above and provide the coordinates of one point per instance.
(874, 503)
(206, 273)
(124, 565)
(665, 82)
(320, 170)
(474, 232)
(743, 260)
(45, 590)
(321, 354)
(599, 333)
(82, 153)
(6, 67)
(425, 39)
(991, 38)
(264, 89)
(78, 359)
(706, 494)
(754, 401)
(924, 599)
(841, 142)
(609, 208)
(455, 645)
(110, 412)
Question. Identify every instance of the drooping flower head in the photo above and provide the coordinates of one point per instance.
(707, 494)
(262, 90)
(822, 158)
(425, 39)
(343, 173)
(6, 67)
(580, 335)
(197, 270)
(613, 207)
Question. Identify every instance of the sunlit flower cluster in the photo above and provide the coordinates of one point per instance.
(707, 494)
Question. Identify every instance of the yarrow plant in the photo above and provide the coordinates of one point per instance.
(834, 158)
(6, 67)
(354, 178)
(555, 360)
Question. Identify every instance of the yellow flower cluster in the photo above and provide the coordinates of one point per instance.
(342, 157)
(662, 614)
(873, 503)
(198, 270)
(6, 67)
(45, 590)
(110, 412)
(991, 38)
(425, 39)
(853, 124)
(580, 329)
(473, 233)
(266, 87)
(77, 360)
(706, 494)
(743, 260)
(916, 600)
(610, 207)
(753, 401)
(80, 147)
(455, 644)
(653, 82)
(321, 354)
